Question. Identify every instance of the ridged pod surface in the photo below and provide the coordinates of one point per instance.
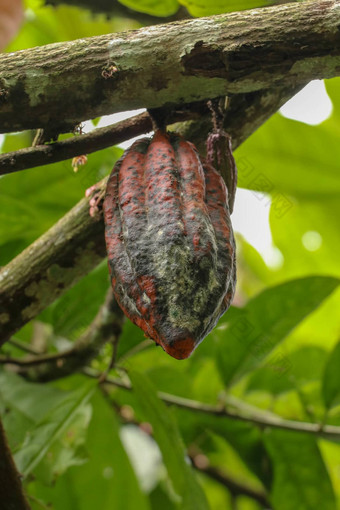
(170, 244)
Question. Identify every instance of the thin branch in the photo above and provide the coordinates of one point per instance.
(12, 496)
(235, 487)
(105, 327)
(171, 64)
(234, 409)
(84, 144)
(23, 347)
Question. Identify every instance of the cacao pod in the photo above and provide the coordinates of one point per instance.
(170, 244)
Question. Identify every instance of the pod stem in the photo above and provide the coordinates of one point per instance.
(159, 118)
(219, 149)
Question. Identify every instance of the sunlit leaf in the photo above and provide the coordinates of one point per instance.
(208, 8)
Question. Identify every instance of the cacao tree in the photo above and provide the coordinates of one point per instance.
(92, 413)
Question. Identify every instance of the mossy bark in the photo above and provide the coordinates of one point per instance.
(174, 63)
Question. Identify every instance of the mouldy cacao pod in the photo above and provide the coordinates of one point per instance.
(170, 245)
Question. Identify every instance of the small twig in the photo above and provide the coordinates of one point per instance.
(145, 344)
(112, 363)
(234, 487)
(23, 347)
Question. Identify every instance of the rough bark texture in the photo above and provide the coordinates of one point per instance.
(246, 112)
(11, 493)
(85, 144)
(75, 245)
(175, 63)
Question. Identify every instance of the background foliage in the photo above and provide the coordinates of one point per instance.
(79, 448)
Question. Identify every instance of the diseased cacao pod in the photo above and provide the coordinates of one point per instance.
(170, 244)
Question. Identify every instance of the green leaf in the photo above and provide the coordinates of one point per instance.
(153, 7)
(31, 400)
(293, 166)
(74, 311)
(246, 336)
(170, 443)
(208, 8)
(54, 423)
(331, 378)
(301, 480)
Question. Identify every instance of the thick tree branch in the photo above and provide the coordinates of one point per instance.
(105, 327)
(11, 493)
(175, 63)
(246, 113)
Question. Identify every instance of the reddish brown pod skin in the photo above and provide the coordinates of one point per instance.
(170, 244)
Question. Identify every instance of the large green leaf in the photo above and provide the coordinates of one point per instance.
(331, 378)
(170, 443)
(246, 336)
(53, 424)
(301, 480)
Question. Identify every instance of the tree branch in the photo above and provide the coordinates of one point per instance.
(234, 409)
(75, 244)
(105, 327)
(174, 63)
(85, 144)
(11, 493)
(245, 114)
